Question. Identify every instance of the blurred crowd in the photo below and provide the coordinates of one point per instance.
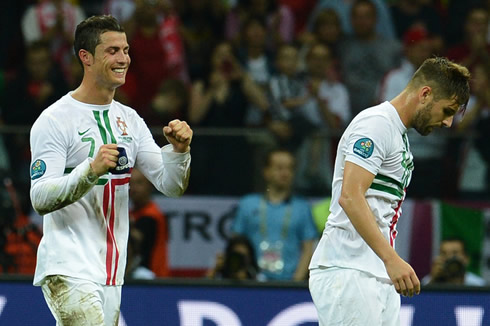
(280, 73)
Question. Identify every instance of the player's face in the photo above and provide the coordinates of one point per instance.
(111, 60)
(434, 115)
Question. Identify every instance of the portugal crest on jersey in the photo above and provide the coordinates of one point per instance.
(122, 126)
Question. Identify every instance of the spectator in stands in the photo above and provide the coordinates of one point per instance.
(148, 68)
(428, 151)
(202, 28)
(221, 101)
(326, 29)
(475, 164)
(288, 94)
(122, 10)
(257, 62)
(408, 14)
(327, 110)
(38, 84)
(366, 53)
(238, 261)
(472, 51)
(383, 26)
(455, 12)
(150, 239)
(170, 102)
(417, 47)
(301, 10)
(53, 21)
(173, 43)
(278, 224)
(253, 54)
(451, 266)
(278, 18)
(475, 47)
(331, 107)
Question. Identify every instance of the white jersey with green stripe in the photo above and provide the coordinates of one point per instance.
(85, 218)
(375, 140)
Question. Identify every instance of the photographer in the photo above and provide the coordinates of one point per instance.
(450, 267)
(238, 261)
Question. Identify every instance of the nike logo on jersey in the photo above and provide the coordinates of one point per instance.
(84, 132)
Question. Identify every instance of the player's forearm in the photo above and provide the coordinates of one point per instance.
(51, 194)
(363, 220)
(169, 171)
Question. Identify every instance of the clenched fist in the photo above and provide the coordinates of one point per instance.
(106, 159)
(179, 134)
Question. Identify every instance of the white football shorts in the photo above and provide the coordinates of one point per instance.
(74, 301)
(349, 297)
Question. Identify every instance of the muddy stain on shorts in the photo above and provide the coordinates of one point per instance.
(73, 311)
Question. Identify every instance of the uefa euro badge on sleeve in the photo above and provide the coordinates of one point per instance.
(270, 258)
(122, 162)
(38, 168)
(364, 147)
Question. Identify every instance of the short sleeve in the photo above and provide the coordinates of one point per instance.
(368, 142)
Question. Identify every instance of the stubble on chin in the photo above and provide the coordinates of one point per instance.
(422, 119)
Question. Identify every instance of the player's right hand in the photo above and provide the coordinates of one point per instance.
(105, 159)
(403, 277)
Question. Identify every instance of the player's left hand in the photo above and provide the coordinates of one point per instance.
(179, 134)
(403, 277)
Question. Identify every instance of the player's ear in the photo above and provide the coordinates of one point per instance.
(424, 94)
(86, 57)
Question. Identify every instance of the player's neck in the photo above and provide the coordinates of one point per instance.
(404, 105)
(90, 93)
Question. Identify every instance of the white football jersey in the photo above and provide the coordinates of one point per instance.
(86, 221)
(376, 140)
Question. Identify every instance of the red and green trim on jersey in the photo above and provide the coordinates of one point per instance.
(112, 251)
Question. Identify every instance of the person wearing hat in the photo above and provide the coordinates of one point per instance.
(428, 151)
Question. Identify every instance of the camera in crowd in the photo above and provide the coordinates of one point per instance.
(453, 271)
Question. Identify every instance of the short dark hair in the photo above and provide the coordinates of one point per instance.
(449, 80)
(87, 34)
